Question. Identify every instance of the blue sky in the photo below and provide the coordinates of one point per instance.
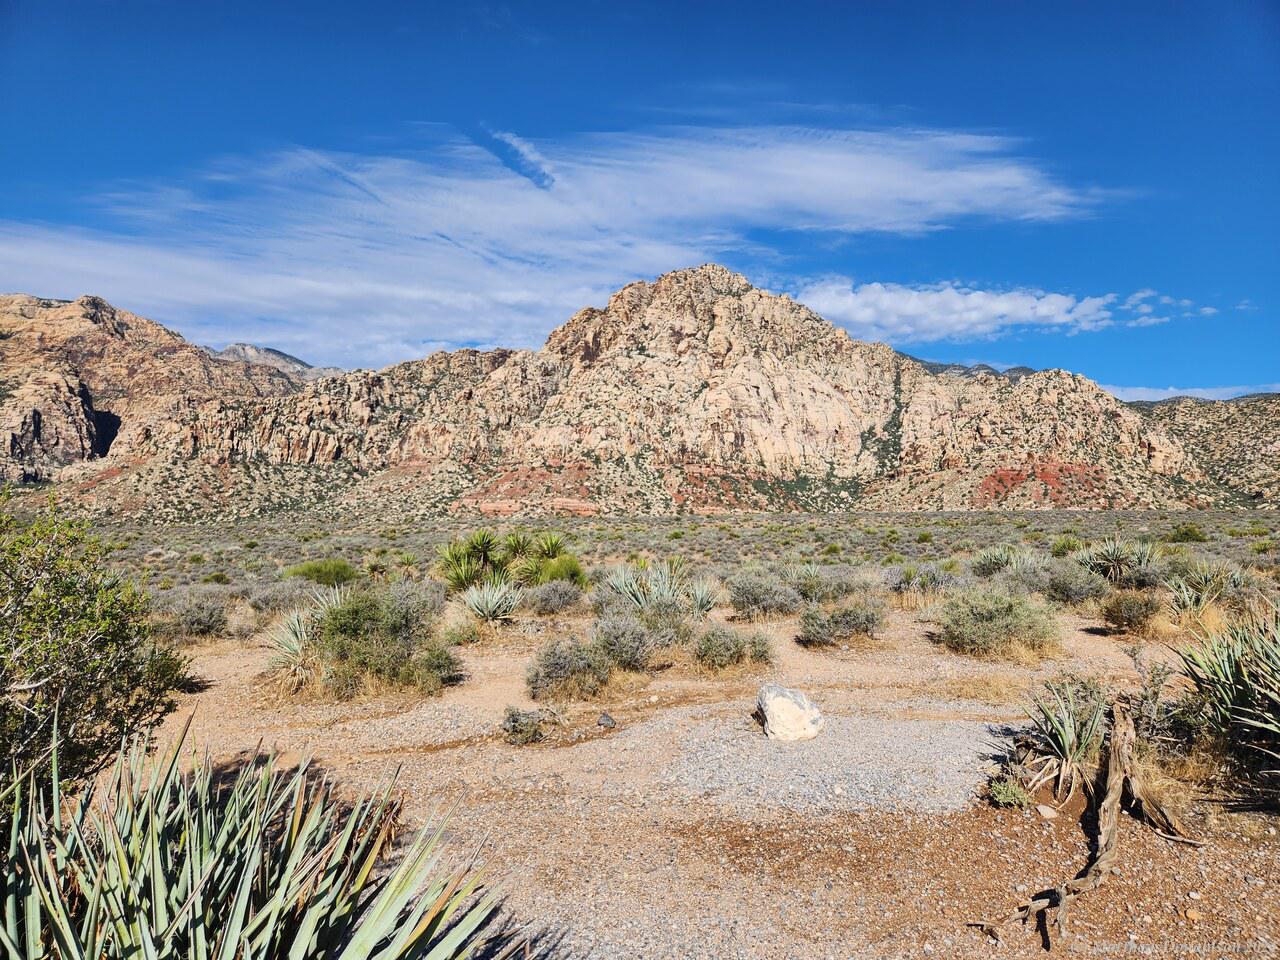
(1094, 187)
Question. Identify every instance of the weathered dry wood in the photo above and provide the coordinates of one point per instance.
(1122, 777)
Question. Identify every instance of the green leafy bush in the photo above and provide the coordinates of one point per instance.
(1186, 533)
(568, 669)
(347, 639)
(330, 572)
(992, 623)
(820, 628)
(1008, 792)
(1131, 611)
(1065, 545)
(76, 644)
(169, 865)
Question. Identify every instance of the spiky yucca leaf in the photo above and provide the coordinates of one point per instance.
(492, 600)
(164, 864)
(1068, 727)
(551, 545)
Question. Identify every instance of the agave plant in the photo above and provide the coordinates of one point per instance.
(167, 865)
(492, 600)
(1068, 727)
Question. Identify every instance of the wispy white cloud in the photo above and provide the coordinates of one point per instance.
(1204, 393)
(948, 311)
(369, 259)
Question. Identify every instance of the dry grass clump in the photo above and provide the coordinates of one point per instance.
(995, 689)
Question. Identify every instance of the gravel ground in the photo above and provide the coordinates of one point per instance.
(856, 763)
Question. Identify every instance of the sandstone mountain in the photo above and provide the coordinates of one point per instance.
(269, 357)
(694, 392)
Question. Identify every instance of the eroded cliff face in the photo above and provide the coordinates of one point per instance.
(694, 392)
(78, 377)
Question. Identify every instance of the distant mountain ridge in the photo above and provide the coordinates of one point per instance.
(696, 392)
(270, 357)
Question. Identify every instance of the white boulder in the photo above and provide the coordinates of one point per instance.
(787, 714)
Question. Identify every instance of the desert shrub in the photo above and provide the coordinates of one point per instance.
(283, 865)
(1123, 562)
(197, 613)
(353, 638)
(523, 727)
(1070, 583)
(568, 669)
(76, 644)
(1131, 611)
(820, 628)
(1008, 792)
(329, 572)
(757, 595)
(217, 577)
(277, 595)
(1194, 585)
(624, 641)
(492, 601)
(719, 647)
(1186, 533)
(992, 623)
(1065, 545)
(553, 597)
(460, 634)
(922, 579)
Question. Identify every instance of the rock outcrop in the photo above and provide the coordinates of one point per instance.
(696, 392)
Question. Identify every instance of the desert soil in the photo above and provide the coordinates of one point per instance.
(683, 832)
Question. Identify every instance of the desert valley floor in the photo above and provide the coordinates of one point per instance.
(682, 831)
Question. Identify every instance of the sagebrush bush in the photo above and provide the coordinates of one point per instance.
(720, 647)
(992, 623)
(553, 597)
(757, 595)
(197, 613)
(1131, 611)
(330, 572)
(624, 641)
(568, 669)
(821, 628)
(1069, 583)
(75, 644)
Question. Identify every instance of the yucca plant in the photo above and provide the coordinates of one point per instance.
(704, 594)
(1113, 558)
(161, 864)
(1236, 673)
(515, 545)
(296, 663)
(551, 545)
(1068, 728)
(492, 600)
